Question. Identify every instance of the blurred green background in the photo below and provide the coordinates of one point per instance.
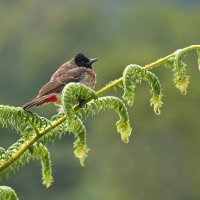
(162, 159)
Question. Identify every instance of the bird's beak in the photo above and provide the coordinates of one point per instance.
(93, 60)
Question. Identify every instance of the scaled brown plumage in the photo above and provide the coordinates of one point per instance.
(78, 69)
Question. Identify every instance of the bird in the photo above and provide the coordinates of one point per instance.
(78, 69)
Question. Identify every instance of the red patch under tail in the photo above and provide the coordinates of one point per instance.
(51, 99)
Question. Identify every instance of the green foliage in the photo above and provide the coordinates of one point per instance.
(36, 151)
(112, 103)
(79, 102)
(7, 193)
(6, 155)
(55, 132)
(181, 80)
(44, 156)
(73, 93)
(28, 124)
(134, 74)
(24, 122)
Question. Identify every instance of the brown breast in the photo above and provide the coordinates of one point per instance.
(88, 78)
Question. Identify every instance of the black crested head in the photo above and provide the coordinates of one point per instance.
(83, 61)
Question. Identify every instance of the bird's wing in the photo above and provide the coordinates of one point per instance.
(63, 69)
(56, 86)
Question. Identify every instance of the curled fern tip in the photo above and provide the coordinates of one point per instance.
(81, 153)
(125, 130)
(156, 102)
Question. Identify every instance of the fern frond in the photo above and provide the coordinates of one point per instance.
(113, 103)
(134, 74)
(36, 151)
(80, 148)
(41, 152)
(169, 63)
(3, 155)
(156, 91)
(131, 76)
(181, 80)
(56, 132)
(24, 122)
(72, 94)
(33, 128)
(7, 193)
(24, 159)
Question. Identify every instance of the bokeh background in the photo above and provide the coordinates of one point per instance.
(162, 159)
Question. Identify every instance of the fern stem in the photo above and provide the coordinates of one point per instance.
(59, 121)
(149, 66)
(26, 145)
(162, 60)
(109, 86)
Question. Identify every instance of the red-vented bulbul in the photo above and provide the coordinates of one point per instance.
(79, 70)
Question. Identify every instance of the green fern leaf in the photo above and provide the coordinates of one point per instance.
(131, 76)
(134, 74)
(156, 91)
(181, 80)
(24, 122)
(113, 103)
(43, 154)
(72, 94)
(24, 159)
(7, 193)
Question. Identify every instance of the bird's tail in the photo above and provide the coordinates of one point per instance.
(36, 102)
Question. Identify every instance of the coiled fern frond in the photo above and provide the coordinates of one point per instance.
(112, 103)
(181, 80)
(134, 74)
(73, 94)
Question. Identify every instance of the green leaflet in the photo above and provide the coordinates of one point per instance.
(156, 91)
(80, 148)
(36, 151)
(24, 122)
(134, 74)
(57, 132)
(181, 80)
(72, 94)
(5, 155)
(27, 124)
(131, 76)
(7, 193)
(113, 103)
(169, 63)
(43, 154)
